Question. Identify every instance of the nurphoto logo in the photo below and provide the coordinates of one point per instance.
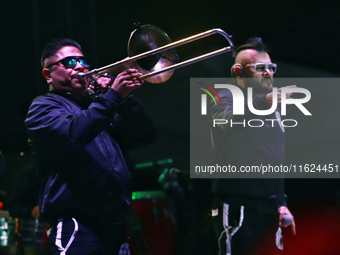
(238, 104)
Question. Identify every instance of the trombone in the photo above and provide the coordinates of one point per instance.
(161, 60)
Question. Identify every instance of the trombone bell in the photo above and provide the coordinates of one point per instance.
(146, 38)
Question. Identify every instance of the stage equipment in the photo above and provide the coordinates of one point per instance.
(151, 226)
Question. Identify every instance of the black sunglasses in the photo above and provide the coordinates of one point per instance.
(71, 62)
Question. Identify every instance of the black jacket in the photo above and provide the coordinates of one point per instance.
(242, 145)
(78, 153)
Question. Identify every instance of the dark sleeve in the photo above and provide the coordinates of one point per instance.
(132, 128)
(281, 199)
(219, 111)
(53, 116)
(225, 111)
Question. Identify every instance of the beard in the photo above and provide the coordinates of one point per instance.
(260, 87)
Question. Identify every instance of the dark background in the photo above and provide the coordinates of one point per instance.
(303, 39)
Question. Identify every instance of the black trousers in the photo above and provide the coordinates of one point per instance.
(74, 237)
(246, 229)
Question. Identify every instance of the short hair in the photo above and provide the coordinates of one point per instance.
(254, 43)
(56, 44)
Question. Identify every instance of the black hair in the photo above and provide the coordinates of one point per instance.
(254, 43)
(56, 44)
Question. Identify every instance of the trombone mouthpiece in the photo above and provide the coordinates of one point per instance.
(81, 76)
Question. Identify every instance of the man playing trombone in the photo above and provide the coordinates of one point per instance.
(78, 146)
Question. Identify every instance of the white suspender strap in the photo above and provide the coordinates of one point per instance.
(240, 222)
(230, 230)
(58, 238)
(227, 228)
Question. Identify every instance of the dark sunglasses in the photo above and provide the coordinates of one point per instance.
(71, 62)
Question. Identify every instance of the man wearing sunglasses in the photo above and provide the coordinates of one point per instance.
(78, 146)
(248, 213)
